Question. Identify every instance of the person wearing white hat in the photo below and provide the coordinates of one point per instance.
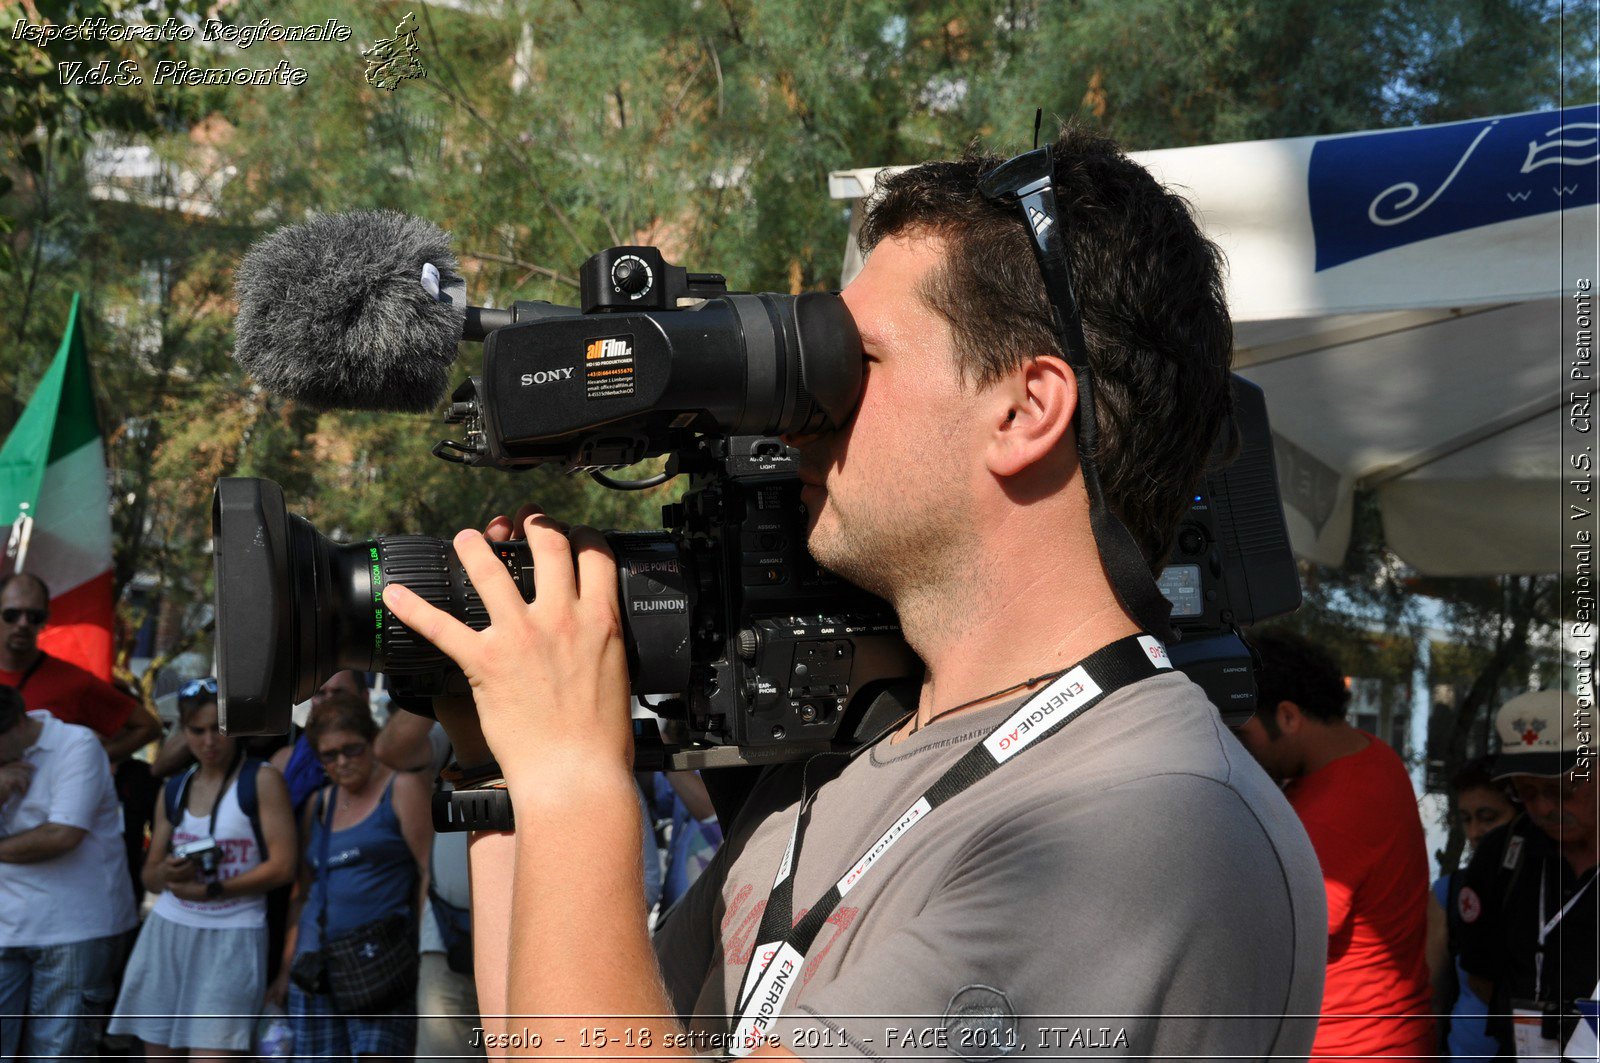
(1529, 909)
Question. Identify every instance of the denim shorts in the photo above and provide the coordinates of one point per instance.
(64, 992)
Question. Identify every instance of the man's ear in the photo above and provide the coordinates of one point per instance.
(1032, 409)
(1290, 717)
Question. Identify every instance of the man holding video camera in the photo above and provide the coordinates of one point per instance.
(1129, 882)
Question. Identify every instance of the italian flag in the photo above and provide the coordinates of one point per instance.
(55, 506)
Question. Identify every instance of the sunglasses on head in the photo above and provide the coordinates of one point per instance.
(1026, 185)
(194, 688)
(35, 616)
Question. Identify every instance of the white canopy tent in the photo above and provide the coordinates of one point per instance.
(1405, 300)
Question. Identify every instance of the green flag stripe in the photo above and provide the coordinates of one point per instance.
(76, 423)
(58, 420)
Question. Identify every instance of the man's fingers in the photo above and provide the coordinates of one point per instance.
(499, 529)
(555, 582)
(520, 521)
(488, 575)
(597, 567)
(437, 626)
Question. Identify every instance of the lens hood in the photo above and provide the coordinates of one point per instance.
(255, 632)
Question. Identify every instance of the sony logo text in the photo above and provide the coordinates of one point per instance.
(546, 376)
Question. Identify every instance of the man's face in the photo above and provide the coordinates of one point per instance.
(1561, 806)
(887, 492)
(344, 681)
(1273, 753)
(26, 603)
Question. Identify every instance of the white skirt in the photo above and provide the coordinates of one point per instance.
(187, 987)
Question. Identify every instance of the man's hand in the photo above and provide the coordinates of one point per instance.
(14, 779)
(549, 677)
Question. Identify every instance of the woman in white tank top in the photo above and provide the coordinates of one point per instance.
(197, 976)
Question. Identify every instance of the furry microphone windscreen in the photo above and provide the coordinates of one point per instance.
(332, 312)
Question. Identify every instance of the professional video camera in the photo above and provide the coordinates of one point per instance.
(761, 655)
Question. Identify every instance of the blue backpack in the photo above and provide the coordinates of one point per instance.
(176, 793)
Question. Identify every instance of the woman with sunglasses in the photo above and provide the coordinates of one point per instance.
(365, 856)
(197, 976)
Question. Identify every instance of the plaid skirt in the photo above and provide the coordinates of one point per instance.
(321, 1032)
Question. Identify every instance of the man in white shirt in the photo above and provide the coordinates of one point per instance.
(65, 909)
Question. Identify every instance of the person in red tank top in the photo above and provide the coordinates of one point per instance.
(1355, 800)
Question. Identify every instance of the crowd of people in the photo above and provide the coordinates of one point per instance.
(256, 865)
(1473, 967)
(254, 871)
(1260, 898)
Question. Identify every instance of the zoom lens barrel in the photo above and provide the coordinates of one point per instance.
(293, 607)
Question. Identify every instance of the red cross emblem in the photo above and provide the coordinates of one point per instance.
(1469, 905)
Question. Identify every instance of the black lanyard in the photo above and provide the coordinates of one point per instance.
(216, 806)
(782, 943)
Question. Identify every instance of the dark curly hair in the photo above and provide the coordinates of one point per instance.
(1149, 287)
(1293, 668)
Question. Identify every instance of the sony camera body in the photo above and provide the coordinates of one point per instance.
(748, 651)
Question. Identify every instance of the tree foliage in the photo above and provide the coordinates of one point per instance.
(547, 129)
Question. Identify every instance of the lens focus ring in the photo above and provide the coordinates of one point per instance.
(423, 564)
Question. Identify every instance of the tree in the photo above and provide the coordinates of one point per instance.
(547, 129)
(47, 123)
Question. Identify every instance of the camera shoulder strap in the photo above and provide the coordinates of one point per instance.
(782, 943)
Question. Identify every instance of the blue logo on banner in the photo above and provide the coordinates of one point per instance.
(1376, 191)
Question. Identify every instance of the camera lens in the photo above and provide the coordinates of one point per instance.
(293, 607)
(756, 365)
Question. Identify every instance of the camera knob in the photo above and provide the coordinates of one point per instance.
(1191, 540)
(748, 644)
(630, 275)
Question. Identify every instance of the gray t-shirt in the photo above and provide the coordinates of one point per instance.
(1134, 886)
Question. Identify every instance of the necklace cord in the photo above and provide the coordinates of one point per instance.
(1047, 677)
